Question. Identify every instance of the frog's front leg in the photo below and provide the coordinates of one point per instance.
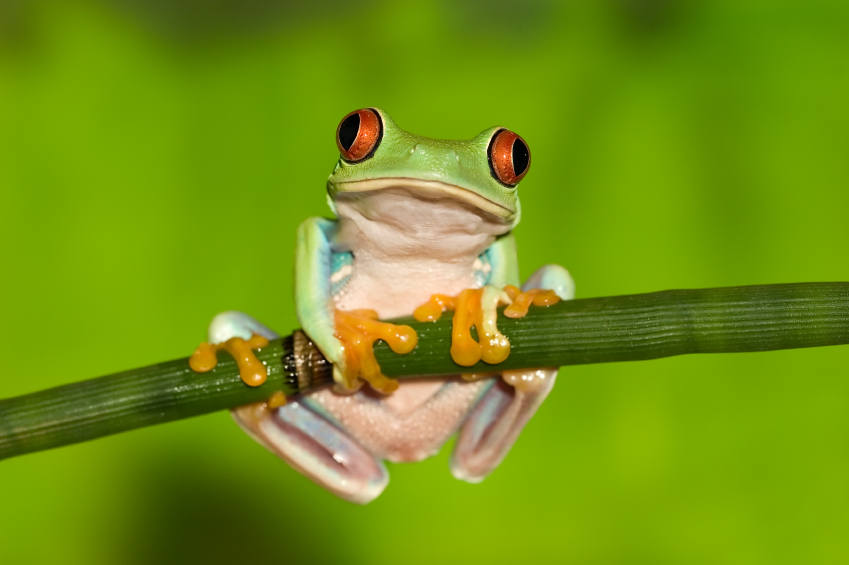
(305, 440)
(345, 338)
(499, 416)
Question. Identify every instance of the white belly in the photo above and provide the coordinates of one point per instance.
(406, 248)
(411, 424)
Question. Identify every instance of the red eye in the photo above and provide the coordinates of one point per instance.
(509, 157)
(358, 135)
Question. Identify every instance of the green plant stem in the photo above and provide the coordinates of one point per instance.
(594, 330)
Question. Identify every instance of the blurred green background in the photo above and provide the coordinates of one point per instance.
(152, 151)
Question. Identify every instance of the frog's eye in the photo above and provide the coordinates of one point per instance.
(358, 135)
(509, 157)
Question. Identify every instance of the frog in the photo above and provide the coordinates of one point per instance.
(417, 221)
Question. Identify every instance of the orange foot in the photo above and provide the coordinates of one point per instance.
(358, 330)
(251, 370)
(477, 307)
(522, 300)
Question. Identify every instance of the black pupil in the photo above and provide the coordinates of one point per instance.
(349, 129)
(521, 157)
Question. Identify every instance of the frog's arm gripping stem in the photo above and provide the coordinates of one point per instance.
(313, 302)
(504, 260)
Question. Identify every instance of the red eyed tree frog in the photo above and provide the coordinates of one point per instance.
(423, 225)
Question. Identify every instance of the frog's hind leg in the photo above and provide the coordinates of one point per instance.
(496, 421)
(299, 436)
(317, 449)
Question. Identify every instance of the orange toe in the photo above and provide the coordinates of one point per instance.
(492, 346)
(358, 330)
(251, 369)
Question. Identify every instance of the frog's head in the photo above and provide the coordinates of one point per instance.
(483, 171)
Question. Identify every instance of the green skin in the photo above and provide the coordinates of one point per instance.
(420, 216)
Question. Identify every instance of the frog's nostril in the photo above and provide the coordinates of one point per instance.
(413, 150)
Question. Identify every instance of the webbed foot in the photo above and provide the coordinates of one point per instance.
(238, 334)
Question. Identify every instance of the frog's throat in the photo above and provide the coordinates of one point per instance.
(425, 187)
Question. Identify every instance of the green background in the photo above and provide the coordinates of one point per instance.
(156, 156)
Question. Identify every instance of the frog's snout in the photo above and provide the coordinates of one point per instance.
(449, 152)
(433, 161)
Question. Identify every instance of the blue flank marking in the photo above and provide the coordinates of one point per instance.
(482, 277)
(337, 262)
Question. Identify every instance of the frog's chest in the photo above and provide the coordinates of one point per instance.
(396, 289)
(411, 424)
(395, 248)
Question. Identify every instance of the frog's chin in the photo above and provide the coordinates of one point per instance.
(433, 187)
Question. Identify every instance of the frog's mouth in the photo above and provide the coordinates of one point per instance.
(436, 188)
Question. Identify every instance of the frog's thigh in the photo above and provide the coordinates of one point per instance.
(317, 449)
(493, 425)
(552, 277)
